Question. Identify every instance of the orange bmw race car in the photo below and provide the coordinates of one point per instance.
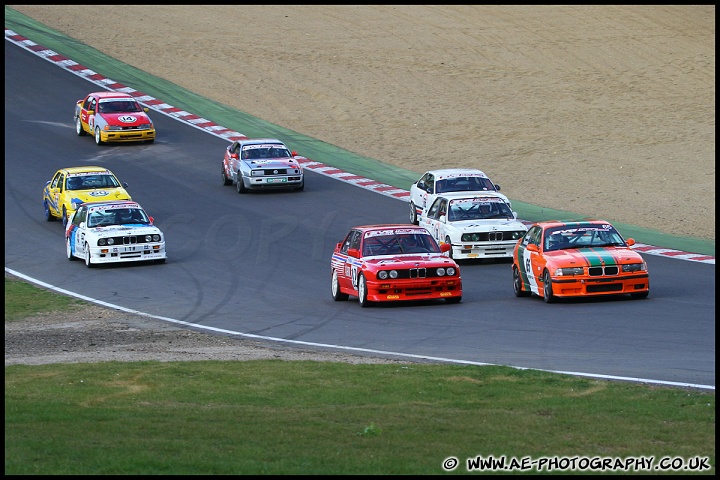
(557, 259)
(383, 263)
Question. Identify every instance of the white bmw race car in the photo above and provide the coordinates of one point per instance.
(476, 225)
(113, 232)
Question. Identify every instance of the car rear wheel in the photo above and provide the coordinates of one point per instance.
(413, 214)
(337, 295)
(518, 284)
(88, 259)
(98, 137)
(547, 288)
(240, 184)
(48, 214)
(362, 292)
(79, 128)
(226, 181)
(450, 252)
(68, 249)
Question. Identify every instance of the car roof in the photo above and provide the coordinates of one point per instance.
(470, 194)
(260, 141)
(124, 96)
(88, 169)
(113, 203)
(384, 226)
(457, 172)
(570, 223)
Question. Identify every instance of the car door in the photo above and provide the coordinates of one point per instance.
(435, 218)
(87, 113)
(76, 231)
(54, 190)
(531, 263)
(348, 272)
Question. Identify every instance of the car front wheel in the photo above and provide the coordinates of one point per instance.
(518, 284)
(240, 184)
(64, 217)
(413, 214)
(98, 137)
(88, 259)
(337, 295)
(547, 288)
(68, 248)
(79, 128)
(362, 292)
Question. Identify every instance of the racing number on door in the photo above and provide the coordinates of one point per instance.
(354, 276)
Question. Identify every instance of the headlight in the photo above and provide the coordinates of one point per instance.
(441, 272)
(256, 173)
(101, 242)
(634, 267)
(145, 126)
(470, 237)
(113, 128)
(569, 271)
(148, 238)
(451, 271)
(393, 274)
(110, 241)
(382, 274)
(517, 235)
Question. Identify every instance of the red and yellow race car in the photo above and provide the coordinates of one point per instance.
(383, 263)
(557, 259)
(113, 117)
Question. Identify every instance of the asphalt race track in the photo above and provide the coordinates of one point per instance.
(259, 264)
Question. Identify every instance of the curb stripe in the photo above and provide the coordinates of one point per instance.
(231, 135)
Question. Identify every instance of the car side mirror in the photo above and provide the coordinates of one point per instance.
(125, 185)
(353, 252)
(497, 187)
(515, 215)
(445, 247)
(293, 153)
(91, 112)
(532, 247)
(146, 110)
(630, 242)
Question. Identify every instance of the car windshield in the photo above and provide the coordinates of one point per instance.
(117, 216)
(91, 181)
(478, 209)
(119, 106)
(464, 184)
(397, 244)
(257, 152)
(583, 236)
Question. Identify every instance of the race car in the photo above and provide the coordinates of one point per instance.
(393, 262)
(261, 164)
(113, 232)
(447, 180)
(74, 185)
(586, 258)
(478, 225)
(113, 117)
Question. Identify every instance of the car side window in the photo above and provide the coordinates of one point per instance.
(56, 181)
(532, 236)
(355, 240)
(80, 216)
(93, 104)
(432, 213)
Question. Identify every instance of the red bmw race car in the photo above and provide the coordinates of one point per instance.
(113, 117)
(577, 259)
(383, 263)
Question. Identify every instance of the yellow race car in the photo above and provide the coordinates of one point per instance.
(72, 186)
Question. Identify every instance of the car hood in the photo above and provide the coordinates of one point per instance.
(98, 195)
(273, 163)
(132, 119)
(120, 230)
(592, 257)
(488, 225)
(410, 260)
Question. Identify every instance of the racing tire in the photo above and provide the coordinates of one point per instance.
(413, 214)
(453, 300)
(301, 187)
(160, 260)
(518, 284)
(78, 128)
(240, 184)
(68, 250)
(640, 295)
(547, 288)
(88, 259)
(98, 137)
(64, 217)
(152, 140)
(337, 295)
(49, 217)
(226, 181)
(362, 292)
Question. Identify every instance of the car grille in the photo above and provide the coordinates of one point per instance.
(129, 240)
(605, 287)
(274, 171)
(492, 236)
(609, 270)
(418, 273)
